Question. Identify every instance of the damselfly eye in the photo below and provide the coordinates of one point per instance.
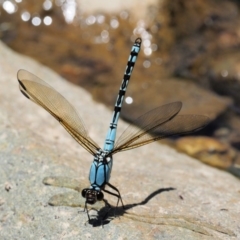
(84, 191)
(100, 196)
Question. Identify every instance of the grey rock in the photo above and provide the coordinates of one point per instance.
(167, 194)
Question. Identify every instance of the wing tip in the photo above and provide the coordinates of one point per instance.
(20, 72)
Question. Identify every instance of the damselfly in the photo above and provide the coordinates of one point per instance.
(163, 120)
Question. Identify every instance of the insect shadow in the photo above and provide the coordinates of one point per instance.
(108, 213)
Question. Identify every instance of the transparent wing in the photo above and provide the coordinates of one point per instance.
(161, 122)
(147, 123)
(45, 96)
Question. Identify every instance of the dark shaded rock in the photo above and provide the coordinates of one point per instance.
(225, 74)
(195, 99)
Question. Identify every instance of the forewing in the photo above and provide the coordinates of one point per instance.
(161, 128)
(146, 123)
(45, 96)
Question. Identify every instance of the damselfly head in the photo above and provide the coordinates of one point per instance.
(92, 196)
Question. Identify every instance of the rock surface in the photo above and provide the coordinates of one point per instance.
(167, 194)
(208, 150)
